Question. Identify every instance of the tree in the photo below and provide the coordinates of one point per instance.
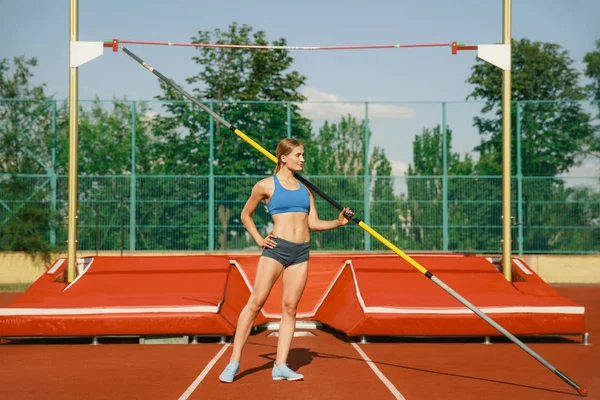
(555, 131)
(338, 151)
(104, 133)
(560, 218)
(592, 71)
(229, 79)
(384, 203)
(424, 195)
(553, 134)
(422, 210)
(25, 140)
(24, 118)
(104, 168)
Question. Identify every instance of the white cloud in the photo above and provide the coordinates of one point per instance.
(399, 168)
(584, 175)
(152, 114)
(589, 168)
(327, 106)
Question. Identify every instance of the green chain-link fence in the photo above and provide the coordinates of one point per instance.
(176, 207)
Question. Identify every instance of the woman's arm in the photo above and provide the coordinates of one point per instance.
(315, 224)
(259, 193)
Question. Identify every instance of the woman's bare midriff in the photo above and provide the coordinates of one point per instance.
(291, 226)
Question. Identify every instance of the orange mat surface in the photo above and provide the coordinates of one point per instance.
(129, 296)
(385, 295)
(358, 294)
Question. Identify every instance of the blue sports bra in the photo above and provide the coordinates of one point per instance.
(284, 200)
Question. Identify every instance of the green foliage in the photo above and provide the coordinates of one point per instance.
(24, 218)
(173, 159)
(381, 171)
(592, 71)
(552, 134)
(24, 132)
(230, 77)
(423, 209)
(26, 231)
(339, 150)
(104, 166)
(24, 125)
(555, 136)
(551, 208)
(104, 132)
(384, 203)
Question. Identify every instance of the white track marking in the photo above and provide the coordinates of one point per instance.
(203, 374)
(380, 375)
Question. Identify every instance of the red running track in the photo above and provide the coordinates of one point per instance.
(333, 367)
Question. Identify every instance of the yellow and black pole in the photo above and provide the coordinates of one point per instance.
(582, 391)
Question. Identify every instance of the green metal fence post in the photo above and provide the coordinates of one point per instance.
(53, 183)
(132, 187)
(367, 183)
(520, 239)
(445, 179)
(211, 183)
(289, 120)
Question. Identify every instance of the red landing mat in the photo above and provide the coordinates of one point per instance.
(358, 294)
(130, 296)
(387, 296)
(323, 270)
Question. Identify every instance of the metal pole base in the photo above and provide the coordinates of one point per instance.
(586, 339)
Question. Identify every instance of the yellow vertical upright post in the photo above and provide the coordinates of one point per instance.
(506, 150)
(73, 141)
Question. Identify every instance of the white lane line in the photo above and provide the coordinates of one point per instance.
(380, 375)
(203, 374)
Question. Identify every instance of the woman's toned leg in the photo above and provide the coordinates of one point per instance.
(294, 281)
(266, 274)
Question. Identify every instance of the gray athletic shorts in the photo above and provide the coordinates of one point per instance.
(288, 253)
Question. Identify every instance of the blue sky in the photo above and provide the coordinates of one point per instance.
(38, 28)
